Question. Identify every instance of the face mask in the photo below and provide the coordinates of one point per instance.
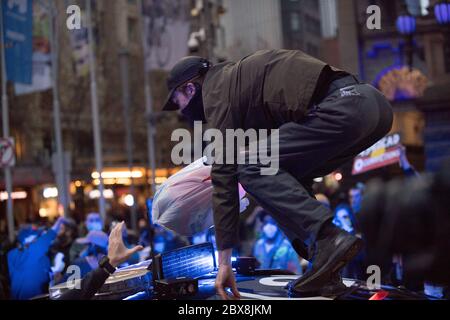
(199, 239)
(194, 110)
(270, 230)
(343, 221)
(159, 247)
(243, 204)
(94, 226)
(93, 250)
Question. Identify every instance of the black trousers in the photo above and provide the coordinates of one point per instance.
(348, 121)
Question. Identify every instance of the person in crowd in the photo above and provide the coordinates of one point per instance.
(429, 288)
(93, 222)
(5, 247)
(170, 239)
(29, 264)
(395, 274)
(249, 228)
(355, 196)
(160, 244)
(60, 249)
(345, 218)
(144, 232)
(144, 239)
(200, 237)
(208, 236)
(211, 237)
(408, 219)
(117, 254)
(96, 246)
(273, 250)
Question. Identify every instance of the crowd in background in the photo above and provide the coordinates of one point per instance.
(45, 255)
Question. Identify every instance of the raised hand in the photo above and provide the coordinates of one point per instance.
(117, 252)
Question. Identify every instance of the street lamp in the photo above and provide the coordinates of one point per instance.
(406, 26)
(442, 12)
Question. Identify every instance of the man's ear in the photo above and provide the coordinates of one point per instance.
(191, 90)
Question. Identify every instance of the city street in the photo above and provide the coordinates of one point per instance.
(225, 150)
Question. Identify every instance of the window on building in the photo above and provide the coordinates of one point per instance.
(312, 49)
(132, 30)
(84, 146)
(19, 145)
(295, 21)
(314, 4)
(312, 25)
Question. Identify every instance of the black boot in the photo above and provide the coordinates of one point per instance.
(334, 248)
(335, 287)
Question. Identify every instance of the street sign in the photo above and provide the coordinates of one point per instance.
(383, 153)
(7, 156)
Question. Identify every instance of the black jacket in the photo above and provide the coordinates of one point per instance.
(90, 285)
(261, 91)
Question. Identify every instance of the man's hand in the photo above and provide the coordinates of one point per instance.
(225, 277)
(58, 224)
(117, 252)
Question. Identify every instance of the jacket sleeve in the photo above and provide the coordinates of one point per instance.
(43, 243)
(90, 284)
(224, 176)
(225, 202)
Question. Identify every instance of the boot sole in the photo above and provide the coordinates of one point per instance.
(336, 266)
(335, 292)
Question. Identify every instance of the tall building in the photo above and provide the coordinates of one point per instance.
(252, 25)
(301, 25)
(249, 26)
(328, 13)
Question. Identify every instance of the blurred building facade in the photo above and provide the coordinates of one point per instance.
(334, 30)
(253, 25)
(116, 27)
(379, 57)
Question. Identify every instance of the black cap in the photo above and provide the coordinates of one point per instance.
(185, 70)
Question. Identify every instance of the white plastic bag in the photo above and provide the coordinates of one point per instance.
(183, 203)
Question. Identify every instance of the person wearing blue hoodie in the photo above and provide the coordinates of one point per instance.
(29, 264)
